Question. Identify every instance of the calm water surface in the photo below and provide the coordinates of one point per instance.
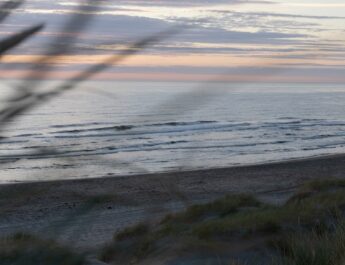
(107, 129)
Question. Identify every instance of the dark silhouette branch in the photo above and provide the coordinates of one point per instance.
(31, 100)
(18, 38)
(8, 7)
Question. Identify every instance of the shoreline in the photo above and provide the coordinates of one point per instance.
(95, 209)
(184, 171)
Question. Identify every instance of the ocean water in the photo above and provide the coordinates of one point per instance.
(122, 128)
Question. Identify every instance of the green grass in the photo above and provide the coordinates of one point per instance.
(263, 219)
(138, 243)
(323, 185)
(316, 186)
(24, 249)
(219, 208)
(140, 240)
(260, 218)
(134, 250)
(131, 232)
(306, 218)
(272, 218)
(313, 248)
(180, 223)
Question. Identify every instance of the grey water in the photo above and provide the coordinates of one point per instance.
(123, 128)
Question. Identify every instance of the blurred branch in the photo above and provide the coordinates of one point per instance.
(31, 100)
(18, 38)
(26, 97)
(8, 7)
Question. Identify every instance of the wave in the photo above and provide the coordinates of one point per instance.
(110, 128)
(181, 123)
(59, 126)
(122, 127)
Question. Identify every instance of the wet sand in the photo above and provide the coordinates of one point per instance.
(86, 213)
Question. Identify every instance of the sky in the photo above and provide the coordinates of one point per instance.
(225, 40)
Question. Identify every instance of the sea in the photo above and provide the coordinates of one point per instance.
(105, 129)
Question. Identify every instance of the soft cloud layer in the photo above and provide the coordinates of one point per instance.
(249, 38)
(177, 3)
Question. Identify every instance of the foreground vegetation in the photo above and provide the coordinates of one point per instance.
(24, 249)
(308, 229)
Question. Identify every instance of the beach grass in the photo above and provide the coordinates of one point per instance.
(322, 185)
(135, 245)
(271, 218)
(318, 247)
(132, 232)
(25, 249)
(307, 229)
(221, 208)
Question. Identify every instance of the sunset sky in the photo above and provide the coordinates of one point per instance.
(226, 40)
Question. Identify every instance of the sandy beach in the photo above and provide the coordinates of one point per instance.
(88, 212)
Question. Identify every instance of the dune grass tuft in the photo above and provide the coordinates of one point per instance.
(323, 185)
(313, 248)
(131, 243)
(311, 223)
(25, 249)
(131, 232)
(272, 218)
(219, 208)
